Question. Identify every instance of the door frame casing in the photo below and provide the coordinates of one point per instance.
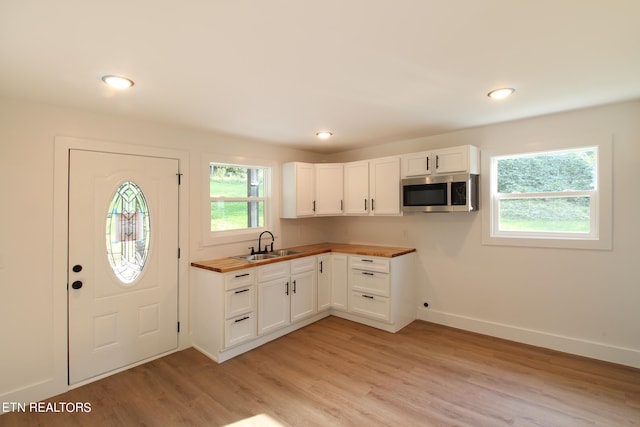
(62, 146)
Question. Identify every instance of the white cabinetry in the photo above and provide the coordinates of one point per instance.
(311, 189)
(286, 293)
(328, 189)
(339, 290)
(372, 187)
(223, 309)
(381, 291)
(325, 268)
(273, 297)
(462, 159)
(298, 188)
(356, 188)
(303, 288)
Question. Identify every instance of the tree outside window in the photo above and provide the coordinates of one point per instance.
(547, 194)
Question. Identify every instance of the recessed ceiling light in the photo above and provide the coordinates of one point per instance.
(501, 93)
(117, 82)
(324, 135)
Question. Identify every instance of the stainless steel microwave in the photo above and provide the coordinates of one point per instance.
(440, 193)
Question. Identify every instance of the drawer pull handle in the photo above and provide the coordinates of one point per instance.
(242, 290)
(366, 260)
(241, 319)
(367, 273)
(367, 296)
(241, 275)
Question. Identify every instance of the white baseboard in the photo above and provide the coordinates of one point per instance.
(592, 349)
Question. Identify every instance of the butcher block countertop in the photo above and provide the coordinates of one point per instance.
(223, 265)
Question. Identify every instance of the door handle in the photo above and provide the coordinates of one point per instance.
(287, 291)
(294, 286)
(77, 284)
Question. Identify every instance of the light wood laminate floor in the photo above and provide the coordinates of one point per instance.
(339, 373)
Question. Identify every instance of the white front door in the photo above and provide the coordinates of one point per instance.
(122, 261)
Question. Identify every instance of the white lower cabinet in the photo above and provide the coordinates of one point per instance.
(286, 293)
(223, 309)
(339, 289)
(381, 291)
(324, 268)
(273, 297)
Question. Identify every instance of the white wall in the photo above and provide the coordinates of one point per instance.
(31, 343)
(580, 301)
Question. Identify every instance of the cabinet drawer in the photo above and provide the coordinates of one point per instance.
(369, 263)
(239, 278)
(303, 264)
(273, 271)
(239, 301)
(370, 282)
(240, 329)
(373, 306)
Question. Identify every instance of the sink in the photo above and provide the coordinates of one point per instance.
(270, 255)
(256, 257)
(285, 252)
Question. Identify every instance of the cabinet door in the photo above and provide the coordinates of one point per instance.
(339, 293)
(329, 188)
(303, 295)
(324, 282)
(297, 190)
(305, 189)
(384, 186)
(416, 164)
(356, 188)
(273, 305)
(451, 160)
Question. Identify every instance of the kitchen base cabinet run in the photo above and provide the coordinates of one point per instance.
(224, 314)
(234, 311)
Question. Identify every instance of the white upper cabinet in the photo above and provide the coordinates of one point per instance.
(356, 188)
(462, 159)
(384, 186)
(298, 190)
(328, 189)
(372, 187)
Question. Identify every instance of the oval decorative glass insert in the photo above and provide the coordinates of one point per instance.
(128, 230)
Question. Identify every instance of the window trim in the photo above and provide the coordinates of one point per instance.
(213, 238)
(600, 237)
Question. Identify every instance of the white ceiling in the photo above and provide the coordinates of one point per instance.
(371, 71)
